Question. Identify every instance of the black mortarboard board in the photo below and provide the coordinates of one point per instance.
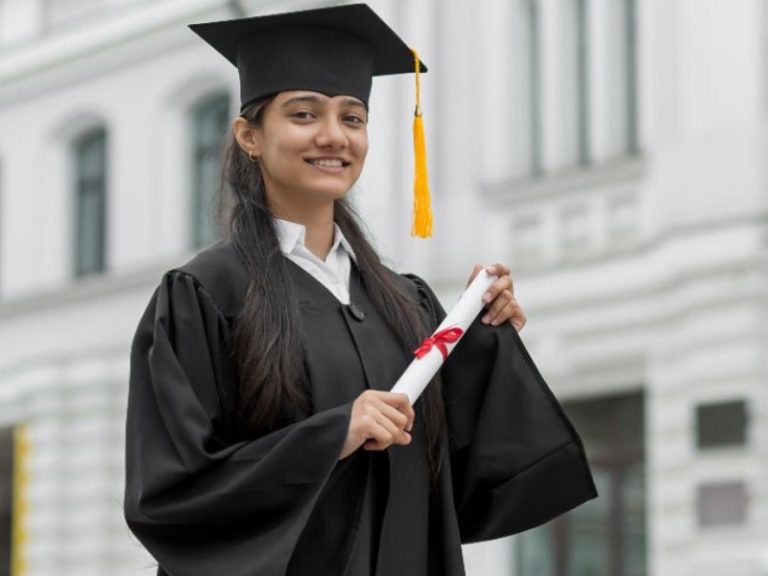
(334, 50)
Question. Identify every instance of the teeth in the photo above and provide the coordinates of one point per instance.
(328, 163)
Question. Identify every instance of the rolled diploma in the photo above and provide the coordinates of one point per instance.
(418, 374)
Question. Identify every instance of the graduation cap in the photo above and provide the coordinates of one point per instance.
(336, 51)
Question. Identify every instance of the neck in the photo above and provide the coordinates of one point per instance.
(318, 222)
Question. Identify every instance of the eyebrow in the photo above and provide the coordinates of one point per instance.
(316, 100)
(353, 102)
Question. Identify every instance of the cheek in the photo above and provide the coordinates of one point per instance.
(362, 145)
(283, 140)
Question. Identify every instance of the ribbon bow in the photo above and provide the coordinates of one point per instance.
(439, 339)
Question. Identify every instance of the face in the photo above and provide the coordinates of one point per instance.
(311, 146)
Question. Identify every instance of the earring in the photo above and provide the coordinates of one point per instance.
(252, 158)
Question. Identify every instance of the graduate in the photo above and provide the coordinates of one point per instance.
(262, 436)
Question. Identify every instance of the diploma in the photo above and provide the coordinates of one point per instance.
(435, 349)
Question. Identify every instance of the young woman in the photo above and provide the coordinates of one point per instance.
(262, 438)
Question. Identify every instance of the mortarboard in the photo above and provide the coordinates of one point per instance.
(335, 51)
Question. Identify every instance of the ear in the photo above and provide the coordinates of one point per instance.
(247, 136)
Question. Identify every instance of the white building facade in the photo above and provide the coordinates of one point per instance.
(613, 152)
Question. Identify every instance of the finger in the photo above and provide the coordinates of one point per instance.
(501, 270)
(495, 315)
(504, 314)
(384, 441)
(398, 418)
(391, 421)
(498, 307)
(503, 283)
(393, 430)
(475, 271)
(402, 404)
(513, 314)
(498, 269)
(518, 319)
(373, 445)
(379, 435)
(403, 440)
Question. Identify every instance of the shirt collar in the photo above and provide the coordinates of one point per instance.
(292, 234)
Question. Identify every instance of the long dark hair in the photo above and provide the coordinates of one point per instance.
(272, 385)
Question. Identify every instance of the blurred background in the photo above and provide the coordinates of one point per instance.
(613, 152)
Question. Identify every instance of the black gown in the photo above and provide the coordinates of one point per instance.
(206, 501)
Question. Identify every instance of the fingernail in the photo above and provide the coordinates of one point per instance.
(487, 297)
(486, 319)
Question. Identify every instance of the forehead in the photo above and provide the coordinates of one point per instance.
(308, 96)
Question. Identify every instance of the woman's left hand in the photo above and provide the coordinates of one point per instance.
(501, 305)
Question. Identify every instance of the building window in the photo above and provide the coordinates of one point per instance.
(535, 96)
(721, 424)
(524, 58)
(2, 188)
(606, 536)
(90, 182)
(209, 122)
(619, 79)
(630, 43)
(573, 80)
(722, 503)
(582, 74)
(580, 77)
(6, 499)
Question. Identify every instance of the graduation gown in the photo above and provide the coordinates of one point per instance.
(205, 500)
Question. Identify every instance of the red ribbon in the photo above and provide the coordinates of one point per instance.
(439, 339)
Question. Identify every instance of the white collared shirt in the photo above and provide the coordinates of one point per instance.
(333, 272)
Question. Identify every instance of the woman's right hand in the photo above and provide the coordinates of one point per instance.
(379, 419)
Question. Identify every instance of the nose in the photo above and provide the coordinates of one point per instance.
(331, 134)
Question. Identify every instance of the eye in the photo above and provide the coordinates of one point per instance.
(354, 119)
(303, 115)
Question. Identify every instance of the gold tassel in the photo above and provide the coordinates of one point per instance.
(422, 211)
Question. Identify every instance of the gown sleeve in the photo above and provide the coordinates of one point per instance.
(516, 459)
(199, 504)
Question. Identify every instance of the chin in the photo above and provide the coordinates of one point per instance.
(336, 195)
(328, 192)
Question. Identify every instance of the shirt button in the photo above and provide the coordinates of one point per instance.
(357, 314)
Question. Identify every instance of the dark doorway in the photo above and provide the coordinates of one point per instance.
(607, 536)
(6, 498)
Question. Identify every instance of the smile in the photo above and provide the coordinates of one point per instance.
(327, 162)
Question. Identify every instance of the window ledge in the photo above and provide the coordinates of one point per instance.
(85, 288)
(565, 182)
(45, 51)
